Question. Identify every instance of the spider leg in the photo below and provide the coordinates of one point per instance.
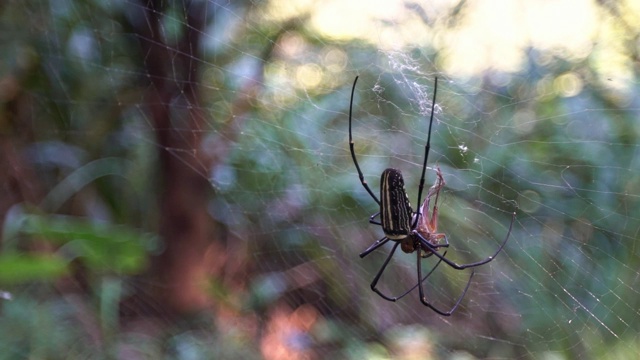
(426, 252)
(423, 279)
(427, 147)
(379, 274)
(374, 246)
(374, 283)
(433, 248)
(353, 153)
(423, 299)
(373, 217)
(441, 236)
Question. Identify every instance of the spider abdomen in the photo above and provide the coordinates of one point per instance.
(395, 209)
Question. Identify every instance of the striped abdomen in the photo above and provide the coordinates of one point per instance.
(395, 210)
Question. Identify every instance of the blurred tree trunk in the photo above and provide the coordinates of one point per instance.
(186, 230)
(192, 250)
(18, 180)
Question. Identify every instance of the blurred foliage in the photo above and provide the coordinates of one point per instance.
(288, 200)
(103, 248)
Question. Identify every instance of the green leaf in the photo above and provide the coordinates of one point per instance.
(20, 268)
(102, 246)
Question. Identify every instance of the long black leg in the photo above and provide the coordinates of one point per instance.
(428, 245)
(423, 279)
(426, 151)
(373, 217)
(375, 245)
(374, 283)
(423, 299)
(353, 153)
(379, 274)
(436, 246)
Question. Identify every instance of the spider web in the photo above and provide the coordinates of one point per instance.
(541, 128)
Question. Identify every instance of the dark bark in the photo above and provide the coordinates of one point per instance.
(186, 230)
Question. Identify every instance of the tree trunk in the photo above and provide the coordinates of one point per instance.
(186, 230)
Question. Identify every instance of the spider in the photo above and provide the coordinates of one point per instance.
(412, 231)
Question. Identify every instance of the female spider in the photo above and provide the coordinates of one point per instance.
(413, 231)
